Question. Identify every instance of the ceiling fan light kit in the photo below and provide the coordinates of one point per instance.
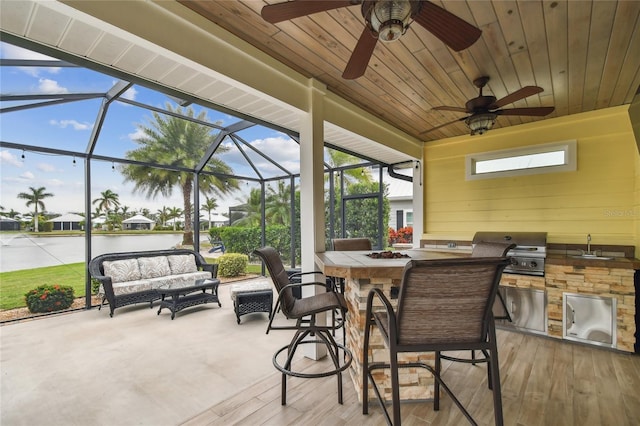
(389, 19)
(480, 123)
(483, 110)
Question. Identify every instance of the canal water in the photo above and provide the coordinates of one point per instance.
(21, 251)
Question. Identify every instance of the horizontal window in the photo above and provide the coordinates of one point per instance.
(547, 158)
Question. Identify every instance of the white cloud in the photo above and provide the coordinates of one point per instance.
(55, 182)
(138, 134)
(280, 149)
(73, 123)
(130, 94)
(8, 158)
(46, 167)
(50, 86)
(28, 175)
(9, 51)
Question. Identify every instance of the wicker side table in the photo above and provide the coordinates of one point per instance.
(252, 297)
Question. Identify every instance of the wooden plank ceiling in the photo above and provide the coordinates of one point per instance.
(584, 54)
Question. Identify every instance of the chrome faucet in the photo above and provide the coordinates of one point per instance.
(588, 243)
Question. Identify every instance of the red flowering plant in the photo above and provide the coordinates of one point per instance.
(402, 235)
(49, 298)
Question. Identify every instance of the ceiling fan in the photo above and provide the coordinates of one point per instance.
(385, 20)
(483, 110)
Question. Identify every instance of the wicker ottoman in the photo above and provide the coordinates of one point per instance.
(252, 297)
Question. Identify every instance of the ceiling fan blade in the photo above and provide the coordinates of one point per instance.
(279, 12)
(443, 125)
(533, 111)
(361, 55)
(455, 32)
(450, 108)
(526, 91)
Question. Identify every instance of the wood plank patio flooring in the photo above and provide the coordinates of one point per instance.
(544, 382)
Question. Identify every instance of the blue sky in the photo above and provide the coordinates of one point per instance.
(69, 126)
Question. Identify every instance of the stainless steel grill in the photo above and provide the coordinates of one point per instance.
(528, 257)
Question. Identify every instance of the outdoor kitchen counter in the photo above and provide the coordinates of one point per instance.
(362, 273)
(616, 262)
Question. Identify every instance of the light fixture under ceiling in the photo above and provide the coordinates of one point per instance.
(480, 123)
(390, 19)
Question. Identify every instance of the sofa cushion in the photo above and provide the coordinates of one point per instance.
(182, 264)
(187, 278)
(152, 267)
(122, 270)
(131, 287)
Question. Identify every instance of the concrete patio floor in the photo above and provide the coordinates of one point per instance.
(137, 368)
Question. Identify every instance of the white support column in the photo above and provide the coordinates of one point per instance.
(418, 202)
(312, 192)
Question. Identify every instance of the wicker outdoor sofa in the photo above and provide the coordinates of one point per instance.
(134, 277)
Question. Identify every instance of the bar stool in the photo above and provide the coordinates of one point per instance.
(304, 311)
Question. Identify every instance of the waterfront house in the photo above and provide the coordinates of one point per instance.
(138, 222)
(9, 224)
(67, 222)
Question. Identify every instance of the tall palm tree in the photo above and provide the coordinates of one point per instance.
(35, 197)
(209, 206)
(107, 201)
(278, 204)
(170, 140)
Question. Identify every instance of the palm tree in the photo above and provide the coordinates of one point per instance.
(35, 197)
(163, 215)
(175, 213)
(107, 201)
(354, 175)
(11, 213)
(124, 211)
(209, 206)
(180, 143)
(278, 204)
(252, 209)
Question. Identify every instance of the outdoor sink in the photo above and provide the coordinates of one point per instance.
(592, 256)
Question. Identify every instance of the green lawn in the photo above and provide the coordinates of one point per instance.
(14, 285)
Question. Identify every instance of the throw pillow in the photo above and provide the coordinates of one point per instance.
(122, 270)
(182, 264)
(152, 267)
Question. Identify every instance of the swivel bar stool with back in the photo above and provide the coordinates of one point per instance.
(443, 305)
(304, 311)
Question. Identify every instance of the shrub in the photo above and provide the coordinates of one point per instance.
(232, 264)
(49, 298)
(402, 235)
(240, 239)
(95, 286)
